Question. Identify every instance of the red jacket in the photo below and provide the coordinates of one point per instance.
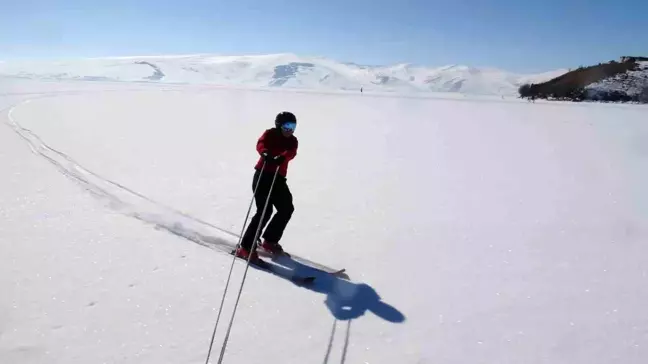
(275, 143)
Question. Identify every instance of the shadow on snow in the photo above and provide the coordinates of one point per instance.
(345, 349)
(346, 300)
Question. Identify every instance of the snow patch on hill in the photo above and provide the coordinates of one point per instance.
(632, 83)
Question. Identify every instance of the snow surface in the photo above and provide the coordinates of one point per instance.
(279, 70)
(473, 230)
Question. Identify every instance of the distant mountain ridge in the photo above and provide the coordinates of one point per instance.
(280, 70)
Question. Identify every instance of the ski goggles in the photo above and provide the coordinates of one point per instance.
(289, 127)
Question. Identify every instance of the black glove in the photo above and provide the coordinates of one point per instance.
(279, 159)
(265, 155)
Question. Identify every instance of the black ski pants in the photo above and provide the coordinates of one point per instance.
(281, 199)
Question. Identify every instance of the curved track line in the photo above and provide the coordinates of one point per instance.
(129, 202)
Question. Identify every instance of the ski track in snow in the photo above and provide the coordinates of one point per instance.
(131, 203)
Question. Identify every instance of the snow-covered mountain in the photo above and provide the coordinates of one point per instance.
(279, 70)
(632, 83)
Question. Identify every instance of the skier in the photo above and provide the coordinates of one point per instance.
(276, 147)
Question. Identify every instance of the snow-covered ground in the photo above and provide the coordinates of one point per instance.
(280, 70)
(473, 230)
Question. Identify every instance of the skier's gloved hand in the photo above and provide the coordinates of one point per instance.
(279, 159)
(265, 155)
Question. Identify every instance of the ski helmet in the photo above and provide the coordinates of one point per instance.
(285, 117)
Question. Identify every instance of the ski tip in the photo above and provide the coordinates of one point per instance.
(341, 274)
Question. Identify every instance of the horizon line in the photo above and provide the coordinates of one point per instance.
(253, 55)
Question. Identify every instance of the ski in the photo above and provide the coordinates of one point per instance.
(271, 268)
(288, 261)
(339, 273)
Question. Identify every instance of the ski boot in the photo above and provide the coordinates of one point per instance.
(273, 249)
(243, 253)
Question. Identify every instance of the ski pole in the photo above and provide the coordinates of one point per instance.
(256, 188)
(229, 276)
(247, 266)
(265, 209)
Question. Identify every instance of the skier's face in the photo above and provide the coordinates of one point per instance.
(288, 129)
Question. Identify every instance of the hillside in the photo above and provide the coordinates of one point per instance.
(279, 70)
(626, 80)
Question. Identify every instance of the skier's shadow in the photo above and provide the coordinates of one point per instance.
(345, 349)
(345, 300)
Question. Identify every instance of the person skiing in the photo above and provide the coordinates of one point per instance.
(276, 147)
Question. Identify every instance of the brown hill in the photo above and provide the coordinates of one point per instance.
(571, 85)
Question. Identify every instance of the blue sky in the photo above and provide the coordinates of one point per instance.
(522, 35)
